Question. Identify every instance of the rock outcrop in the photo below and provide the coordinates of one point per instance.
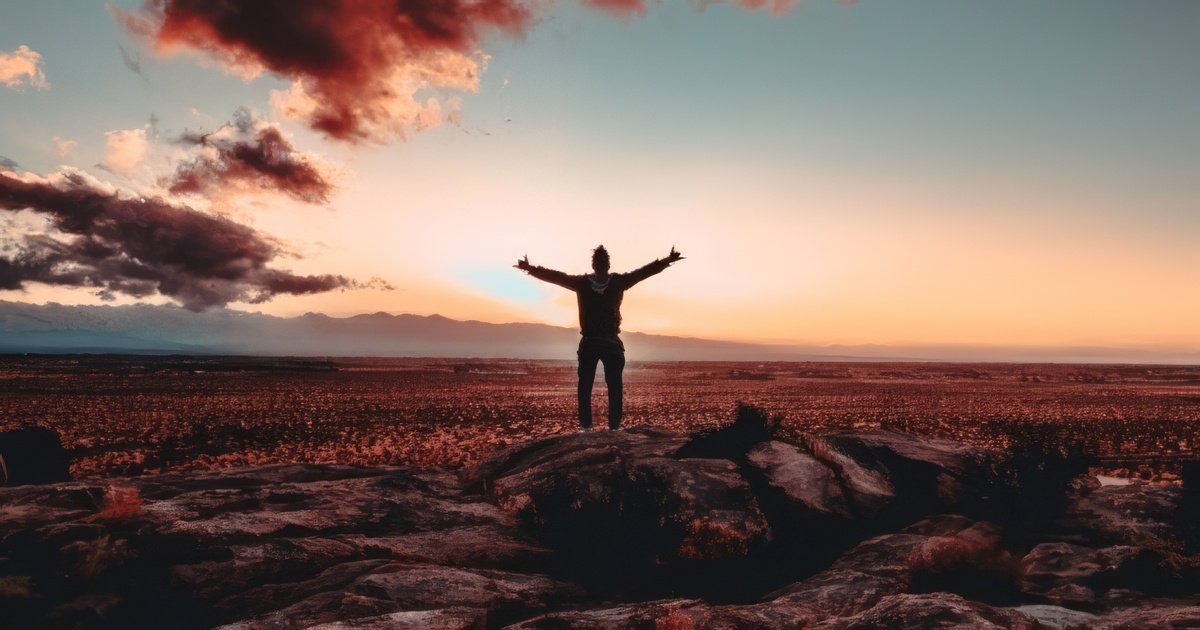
(279, 546)
(728, 529)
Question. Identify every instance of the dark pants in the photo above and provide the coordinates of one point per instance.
(611, 353)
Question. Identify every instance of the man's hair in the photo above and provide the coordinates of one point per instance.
(599, 255)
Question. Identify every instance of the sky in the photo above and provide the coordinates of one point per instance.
(926, 172)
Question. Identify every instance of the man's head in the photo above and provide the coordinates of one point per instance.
(600, 260)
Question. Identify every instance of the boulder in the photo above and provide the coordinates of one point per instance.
(457, 618)
(248, 565)
(635, 505)
(1058, 617)
(1119, 514)
(482, 546)
(690, 614)
(931, 610)
(322, 608)
(832, 485)
(1050, 568)
(893, 564)
(32, 455)
(931, 475)
(1164, 615)
(622, 509)
(384, 588)
(651, 614)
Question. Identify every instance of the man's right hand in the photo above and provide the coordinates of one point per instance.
(523, 263)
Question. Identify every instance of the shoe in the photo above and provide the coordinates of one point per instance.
(616, 428)
(585, 429)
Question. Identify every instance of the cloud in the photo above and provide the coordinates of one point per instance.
(137, 246)
(249, 155)
(360, 69)
(622, 8)
(628, 9)
(132, 61)
(8, 165)
(22, 67)
(63, 147)
(125, 149)
(776, 7)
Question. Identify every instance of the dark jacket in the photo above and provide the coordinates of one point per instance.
(599, 303)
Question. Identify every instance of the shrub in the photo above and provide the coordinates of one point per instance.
(720, 536)
(1030, 483)
(751, 425)
(1174, 555)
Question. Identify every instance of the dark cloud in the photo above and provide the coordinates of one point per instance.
(249, 154)
(360, 69)
(357, 66)
(142, 246)
(132, 61)
(7, 164)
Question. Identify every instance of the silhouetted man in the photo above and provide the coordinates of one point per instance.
(599, 295)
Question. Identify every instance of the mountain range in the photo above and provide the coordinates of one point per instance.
(155, 329)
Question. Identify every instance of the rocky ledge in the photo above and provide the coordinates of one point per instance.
(732, 528)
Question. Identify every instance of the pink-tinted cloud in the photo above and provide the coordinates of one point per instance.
(63, 147)
(249, 155)
(360, 69)
(124, 150)
(636, 8)
(22, 67)
(141, 246)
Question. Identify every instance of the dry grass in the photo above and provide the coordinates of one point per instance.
(1174, 557)
(120, 504)
(674, 620)
(710, 538)
(445, 412)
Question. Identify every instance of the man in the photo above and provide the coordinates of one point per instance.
(599, 295)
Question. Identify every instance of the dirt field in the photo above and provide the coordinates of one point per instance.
(132, 415)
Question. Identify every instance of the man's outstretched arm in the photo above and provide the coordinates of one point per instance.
(563, 280)
(637, 275)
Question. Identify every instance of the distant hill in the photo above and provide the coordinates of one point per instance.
(56, 328)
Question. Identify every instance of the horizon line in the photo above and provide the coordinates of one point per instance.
(1082, 353)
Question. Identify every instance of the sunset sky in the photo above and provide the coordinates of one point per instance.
(929, 172)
